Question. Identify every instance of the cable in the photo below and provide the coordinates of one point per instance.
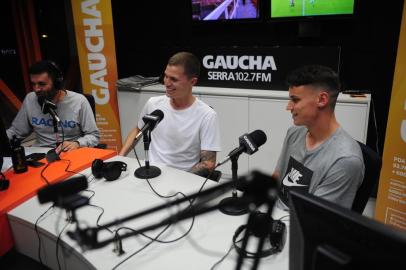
(223, 258)
(57, 244)
(136, 156)
(36, 231)
(69, 171)
(42, 173)
(141, 249)
(376, 127)
(99, 217)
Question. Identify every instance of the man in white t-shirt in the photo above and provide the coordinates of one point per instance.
(188, 137)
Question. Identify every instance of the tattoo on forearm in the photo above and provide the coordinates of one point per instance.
(206, 164)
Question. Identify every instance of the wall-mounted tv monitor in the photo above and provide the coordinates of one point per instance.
(325, 236)
(221, 10)
(310, 8)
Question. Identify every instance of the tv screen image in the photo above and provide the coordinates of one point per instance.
(213, 10)
(303, 8)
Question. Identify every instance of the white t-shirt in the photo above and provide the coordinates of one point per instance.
(182, 134)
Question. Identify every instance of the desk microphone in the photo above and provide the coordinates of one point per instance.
(48, 107)
(249, 143)
(151, 121)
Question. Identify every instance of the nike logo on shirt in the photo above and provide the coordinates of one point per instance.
(292, 178)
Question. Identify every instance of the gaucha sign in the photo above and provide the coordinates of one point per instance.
(260, 68)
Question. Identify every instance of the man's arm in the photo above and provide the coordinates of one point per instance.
(206, 164)
(342, 181)
(20, 127)
(129, 142)
(91, 133)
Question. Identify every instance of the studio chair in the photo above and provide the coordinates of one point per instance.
(373, 163)
(92, 102)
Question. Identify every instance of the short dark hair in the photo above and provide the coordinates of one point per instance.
(49, 67)
(189, 61)
(317, 76)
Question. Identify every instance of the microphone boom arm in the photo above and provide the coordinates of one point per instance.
(256, 190)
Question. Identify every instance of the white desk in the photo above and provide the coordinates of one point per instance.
(208, 241)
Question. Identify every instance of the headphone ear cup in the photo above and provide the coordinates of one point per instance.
(97, 168)
(112, 170)
(58, 83)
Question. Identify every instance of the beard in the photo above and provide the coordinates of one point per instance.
(48, 95)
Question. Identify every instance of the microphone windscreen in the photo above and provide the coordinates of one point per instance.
(258, 137)
(52, 193)
(41, 100)
(159, 114)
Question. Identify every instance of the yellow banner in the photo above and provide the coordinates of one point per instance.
(97, 57)
(391, 201)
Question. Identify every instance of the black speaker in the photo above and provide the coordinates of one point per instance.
(109, 170)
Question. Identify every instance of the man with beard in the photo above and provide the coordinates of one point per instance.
(77, 127)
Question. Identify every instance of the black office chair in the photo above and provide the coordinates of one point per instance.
(92, 102)
(373, 163)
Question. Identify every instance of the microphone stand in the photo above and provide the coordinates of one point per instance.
(234, 205)
(147, 171)
(260, 229)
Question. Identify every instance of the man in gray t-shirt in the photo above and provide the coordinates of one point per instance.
(318, 156)
(77, 125)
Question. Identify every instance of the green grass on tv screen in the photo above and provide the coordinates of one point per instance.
(298, 8)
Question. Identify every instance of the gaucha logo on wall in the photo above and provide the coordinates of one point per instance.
(247, 68)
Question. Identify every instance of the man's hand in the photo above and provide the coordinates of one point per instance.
(67, 146)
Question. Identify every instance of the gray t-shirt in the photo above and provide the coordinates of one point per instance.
(334, 170)
(76, 116)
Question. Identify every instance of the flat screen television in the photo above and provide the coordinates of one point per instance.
(310, 8)
(324, 236)
(225, 10)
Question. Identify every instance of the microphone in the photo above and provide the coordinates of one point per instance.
(151, 121)
(48, 107)
(249, 144)
(54, 192)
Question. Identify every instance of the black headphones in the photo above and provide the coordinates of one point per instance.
(109, 170)
(276, 235)
(4, 182)
(57, 75)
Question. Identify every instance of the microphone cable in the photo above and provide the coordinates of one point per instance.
(42, 215)
(142, 248)
(57, 243)
(63, 135)
(37, 232)
(224, 257)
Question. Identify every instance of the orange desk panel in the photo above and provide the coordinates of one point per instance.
(25, 185)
